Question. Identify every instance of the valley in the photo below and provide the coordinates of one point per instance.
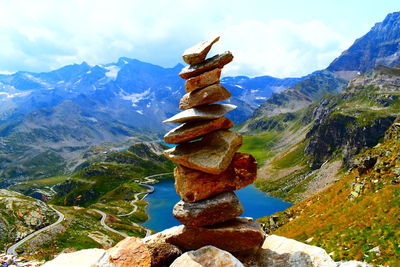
(82, 163)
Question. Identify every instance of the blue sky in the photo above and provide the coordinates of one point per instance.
(278, 38)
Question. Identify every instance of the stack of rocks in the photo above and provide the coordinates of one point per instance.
(209, 168)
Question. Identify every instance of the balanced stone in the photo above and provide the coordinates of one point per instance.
(217, 61)
(192, 130)
(210, 94)
(194, 185)
(236, 235)
(212, 154)
(217, 209)
(202, 113)
(196, 54)
(203, 80)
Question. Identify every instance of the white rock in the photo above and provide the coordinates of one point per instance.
(81, 258)
(298, 254)
(207, 256)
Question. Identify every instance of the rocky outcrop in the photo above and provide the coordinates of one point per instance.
(380, 46)
(339, 126)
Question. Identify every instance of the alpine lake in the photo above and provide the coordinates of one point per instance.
(256, 204)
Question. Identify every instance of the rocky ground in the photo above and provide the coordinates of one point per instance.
(13, 261)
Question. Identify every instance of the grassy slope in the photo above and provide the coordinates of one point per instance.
(277, 144)
(351, 226)
(116, 173)
(111, 186)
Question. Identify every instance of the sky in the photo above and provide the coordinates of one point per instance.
(277, 38)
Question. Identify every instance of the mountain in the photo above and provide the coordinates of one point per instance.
(48, 119)
(305, 150)
(356, 217)
(380, 46)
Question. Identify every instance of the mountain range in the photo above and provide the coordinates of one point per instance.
(380, 46)
(48, 119)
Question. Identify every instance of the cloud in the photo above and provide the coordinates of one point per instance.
(281, 48)
(45, 34)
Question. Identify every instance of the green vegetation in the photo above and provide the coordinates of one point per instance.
(356, 216)
(292, 158)
(113, 178)
(81, 229)
(260, 146)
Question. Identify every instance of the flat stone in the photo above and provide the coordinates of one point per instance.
(210, 94)
(203, 80)
(192, 130)
(217, 209)
(197, 53)
(194, 185)
(217, 61)
(201, 113)
(236, 235)
(212, 154)
(207, 256)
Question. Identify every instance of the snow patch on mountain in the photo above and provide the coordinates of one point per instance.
(112, 72)
(9, 95)
(134, 98)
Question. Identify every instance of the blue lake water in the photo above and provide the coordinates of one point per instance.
(256, 204)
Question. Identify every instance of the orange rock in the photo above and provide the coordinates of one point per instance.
(193, 185)
(134, 251)
(197, 53)
(130, 252)
(212, 154)
(236, 235)
(210, 94)
(203, 80)
(217, 61)
(193, 130)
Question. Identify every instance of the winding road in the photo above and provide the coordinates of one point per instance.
(148, 179)
(103, 223)
(11, 250)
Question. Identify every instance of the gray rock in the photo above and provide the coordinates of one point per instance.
(201, 113)
(212, 154)
(217, 209)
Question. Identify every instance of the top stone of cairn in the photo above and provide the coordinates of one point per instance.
(197, 54)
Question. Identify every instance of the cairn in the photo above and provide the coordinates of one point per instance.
(209, 167)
